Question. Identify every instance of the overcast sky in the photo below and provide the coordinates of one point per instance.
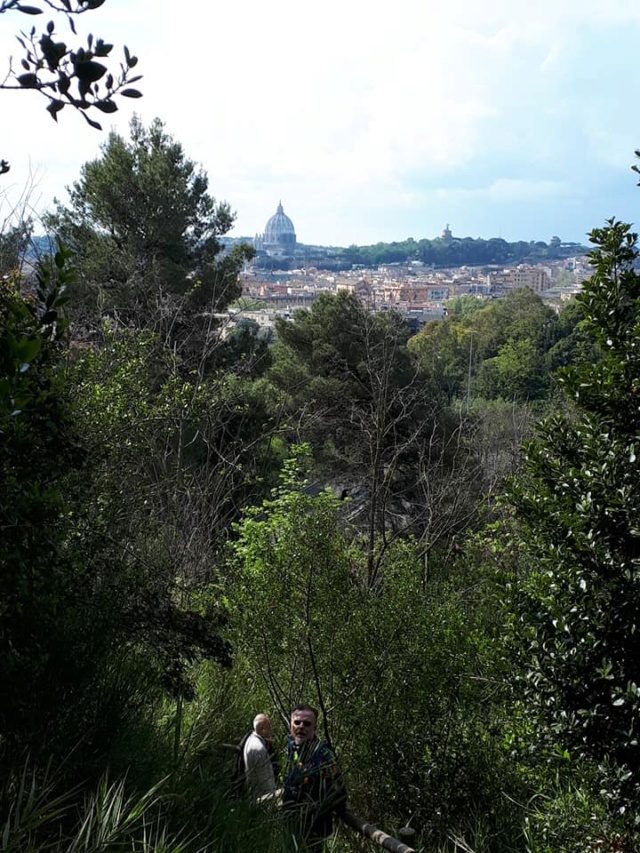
(370, 121)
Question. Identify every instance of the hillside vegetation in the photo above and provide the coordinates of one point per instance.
(433, 538)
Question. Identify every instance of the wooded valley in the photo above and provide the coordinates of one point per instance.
(434, 538)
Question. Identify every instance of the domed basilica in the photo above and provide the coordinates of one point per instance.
(279, 236)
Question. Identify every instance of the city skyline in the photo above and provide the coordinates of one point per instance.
(503, 120)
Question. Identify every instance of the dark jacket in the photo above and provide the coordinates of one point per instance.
(313, 787)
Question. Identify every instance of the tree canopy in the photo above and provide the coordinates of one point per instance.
(441, 252)
(145, 232)
(506, 348)
(576, 618)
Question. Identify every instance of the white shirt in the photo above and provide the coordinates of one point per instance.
(258, 767)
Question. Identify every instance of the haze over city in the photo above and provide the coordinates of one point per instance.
(503, 118)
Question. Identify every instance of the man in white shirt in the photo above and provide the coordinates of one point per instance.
(256, 754)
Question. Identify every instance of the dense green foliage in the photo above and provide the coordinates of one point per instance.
(309, 623)
(505, 349)
(438, 252)
(348, 383)
(175, 556)
(452, 252)
(576, 617)
(377, 425)
(89, 571)
(145, 231)
(38, 442)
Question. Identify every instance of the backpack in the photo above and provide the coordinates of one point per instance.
(238, 774)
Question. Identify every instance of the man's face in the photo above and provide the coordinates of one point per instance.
(264, 728)
(303, 727)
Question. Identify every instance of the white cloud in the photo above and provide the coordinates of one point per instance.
(506, 190)
(350, 114)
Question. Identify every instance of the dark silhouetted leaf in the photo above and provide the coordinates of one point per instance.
(103, 49)
(52, 51)
(54, 108)
(29, 81)
(131, 93)
(89, 71)
(107, 106)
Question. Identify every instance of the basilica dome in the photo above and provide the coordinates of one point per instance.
(279, 232)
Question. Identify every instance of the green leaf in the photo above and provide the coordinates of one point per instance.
(29, 349)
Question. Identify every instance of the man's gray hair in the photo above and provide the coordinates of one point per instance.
(260, 720)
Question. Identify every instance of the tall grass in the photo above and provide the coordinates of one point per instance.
(152, 797)
(165, 819)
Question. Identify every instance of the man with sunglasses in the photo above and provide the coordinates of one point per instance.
(313, 784)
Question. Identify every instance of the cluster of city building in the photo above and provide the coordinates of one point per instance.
(419, 292)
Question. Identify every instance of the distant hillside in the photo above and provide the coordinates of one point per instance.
(459, 251)
(438, 252)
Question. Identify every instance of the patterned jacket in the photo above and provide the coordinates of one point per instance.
(313, 787)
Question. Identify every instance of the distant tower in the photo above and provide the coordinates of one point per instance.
(279, 236)
(447, 236)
